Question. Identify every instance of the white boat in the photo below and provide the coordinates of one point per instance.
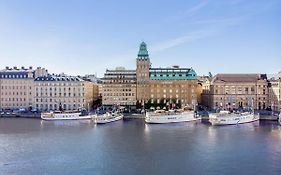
(108, 117)
(65, 116)
(227, 118)
(171, 116)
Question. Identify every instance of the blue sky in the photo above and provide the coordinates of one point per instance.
(88, 36)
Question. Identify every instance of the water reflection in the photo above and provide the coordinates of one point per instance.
(134, 147)
(66, 123)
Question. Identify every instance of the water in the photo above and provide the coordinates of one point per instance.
(32, 146)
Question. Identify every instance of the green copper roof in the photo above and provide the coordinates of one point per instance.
(143, 53)
(172, 74)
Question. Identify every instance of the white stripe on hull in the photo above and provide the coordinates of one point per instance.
(232, 119)
(70, 118)
(170, 118)
(65, 116)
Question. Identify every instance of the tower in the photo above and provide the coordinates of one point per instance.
(143, 65)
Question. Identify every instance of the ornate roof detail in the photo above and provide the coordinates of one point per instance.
(143, 53)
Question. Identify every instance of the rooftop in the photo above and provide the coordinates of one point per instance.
(16, 69)
(143, 53)
(174, 73)
(58, 78)
(239, 77)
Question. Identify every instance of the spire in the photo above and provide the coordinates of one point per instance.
(143, 53)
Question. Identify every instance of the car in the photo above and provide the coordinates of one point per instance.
(22, 110)
(35, 111)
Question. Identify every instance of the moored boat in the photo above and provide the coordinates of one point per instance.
(171, 116)
(232, 118)
(108, 117)
(58, 115)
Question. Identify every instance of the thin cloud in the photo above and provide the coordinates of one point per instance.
(190, 37)
(196, 8)
(190, 11)
(211, 27)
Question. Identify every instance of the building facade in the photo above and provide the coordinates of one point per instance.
(164, 85)
(17, 87)
(274, 94)
(62, 93)
(239, 91)
(142, 73)
(204, 91)
(119, 87)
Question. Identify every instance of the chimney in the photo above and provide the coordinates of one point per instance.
(22, 67)
(7, 67)
(30, 67)
(15, 68)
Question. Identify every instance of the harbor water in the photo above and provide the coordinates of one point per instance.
(33, 146)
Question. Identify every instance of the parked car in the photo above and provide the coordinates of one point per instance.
(35, 110)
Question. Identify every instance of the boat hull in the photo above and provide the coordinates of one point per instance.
(71, 118)
(170, 118)
(74, 116)
(104, 120)
(232, 119)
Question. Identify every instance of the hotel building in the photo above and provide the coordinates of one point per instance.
(149, 85)
(172, 84)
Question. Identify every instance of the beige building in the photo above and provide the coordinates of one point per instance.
(164, 85)
(147, 85)
(239, 90)
(204, 90)
(17, 87)
(119, 87)
(275, 95)
(62, 92)
(177, 91)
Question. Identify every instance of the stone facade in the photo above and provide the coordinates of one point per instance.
(62, 92)
(181, 91)
(119, 87)
(203, 92)
(173, 84)
(275, 95)
(17, 87)
(146, 84)
(142, 74)
(239, 90)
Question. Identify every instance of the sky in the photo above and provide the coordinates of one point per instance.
(80, 37)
